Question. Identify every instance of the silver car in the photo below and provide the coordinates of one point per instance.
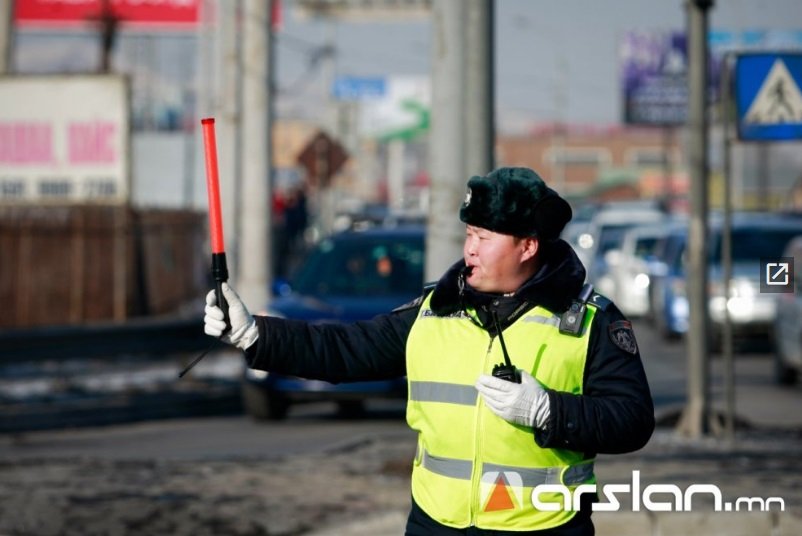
(629, 266)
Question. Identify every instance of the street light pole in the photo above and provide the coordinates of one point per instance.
(6, 33)
(255, 254)
(696, 419)
(448, 134)
(479, 72)
(462, 134)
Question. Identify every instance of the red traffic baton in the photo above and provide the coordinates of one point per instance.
(219, 267)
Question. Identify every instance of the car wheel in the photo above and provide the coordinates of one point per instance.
(261, 405)
(783, 374)
(350, 408)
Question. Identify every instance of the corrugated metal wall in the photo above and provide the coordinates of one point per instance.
(79, 264)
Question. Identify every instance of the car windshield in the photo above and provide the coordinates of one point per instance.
(362, 267)
(645, 246)
(754, 244)
(610, 237)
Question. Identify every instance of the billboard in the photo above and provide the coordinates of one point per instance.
(655, 84)
(142, 13)
(654, 69)
(64, 139)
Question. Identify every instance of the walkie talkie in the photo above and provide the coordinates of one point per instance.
(505, 371)
(572, 320)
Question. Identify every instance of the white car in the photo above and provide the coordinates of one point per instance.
(788, 323)
(628, 268)
(605, 232)
(597, 223)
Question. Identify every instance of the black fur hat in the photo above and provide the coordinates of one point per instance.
(515, 201)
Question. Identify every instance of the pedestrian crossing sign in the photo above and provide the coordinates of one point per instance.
(768, 96)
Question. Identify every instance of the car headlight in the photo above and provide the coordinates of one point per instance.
(641, 281)
(739, 288)
(742, 288)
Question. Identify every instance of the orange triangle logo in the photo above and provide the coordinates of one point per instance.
(500, 497)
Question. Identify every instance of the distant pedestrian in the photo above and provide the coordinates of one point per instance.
(518, 374)
(296, 220)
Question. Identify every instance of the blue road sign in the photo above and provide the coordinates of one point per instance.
(768, 96)
(355, 88)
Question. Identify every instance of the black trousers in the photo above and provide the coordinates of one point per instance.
(420, 524)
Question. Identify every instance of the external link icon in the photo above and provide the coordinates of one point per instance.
(777, 273)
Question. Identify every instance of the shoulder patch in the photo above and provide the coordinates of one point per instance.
(599, 301)
(622, 336)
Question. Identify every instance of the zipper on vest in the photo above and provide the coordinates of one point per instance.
(476, 476)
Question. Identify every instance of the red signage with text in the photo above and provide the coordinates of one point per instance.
(146, 13)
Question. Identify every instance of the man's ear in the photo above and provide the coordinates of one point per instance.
(531, 245)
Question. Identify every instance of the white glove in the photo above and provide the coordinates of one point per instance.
(525, 403)
(243, 332)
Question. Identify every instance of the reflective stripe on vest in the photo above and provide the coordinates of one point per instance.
(463, 469)
(443, 392)
(466, 453)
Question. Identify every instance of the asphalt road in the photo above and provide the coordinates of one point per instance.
(758, 401)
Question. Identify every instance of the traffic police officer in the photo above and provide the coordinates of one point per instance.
(518, 373)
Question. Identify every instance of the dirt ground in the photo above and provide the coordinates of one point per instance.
(297, 494)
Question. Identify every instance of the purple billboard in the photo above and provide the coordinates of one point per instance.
(654, 77)
(654, 69)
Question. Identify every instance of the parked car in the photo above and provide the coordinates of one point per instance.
(755, 236)
(628, 268)
(598, 228)
(350, 276)
(787, 333)
(668, 303)
(605, 233)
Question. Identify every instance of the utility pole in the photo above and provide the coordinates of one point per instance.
(668, 181)
(479, 72)
(227, 110)
(255, 269)
(696, 419)
(462, 139)
(6, 33)
(108, 27)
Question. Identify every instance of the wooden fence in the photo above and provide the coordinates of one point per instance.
(82, 264)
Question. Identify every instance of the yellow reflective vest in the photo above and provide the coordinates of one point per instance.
(473, 468)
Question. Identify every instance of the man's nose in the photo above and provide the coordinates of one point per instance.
(470, 247)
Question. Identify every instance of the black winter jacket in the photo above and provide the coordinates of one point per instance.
(614, 414)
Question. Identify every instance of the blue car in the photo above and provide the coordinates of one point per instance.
(350, 276)
(668, 302)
